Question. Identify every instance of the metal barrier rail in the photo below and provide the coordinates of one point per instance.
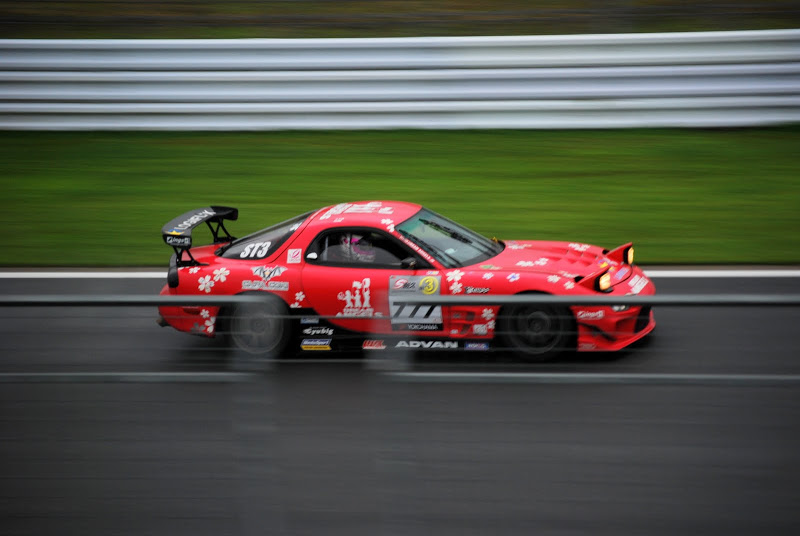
(573, 81)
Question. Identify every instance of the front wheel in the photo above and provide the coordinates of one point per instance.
(538, 332)
(261, 330)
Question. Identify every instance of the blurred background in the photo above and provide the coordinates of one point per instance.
(111, 425)
(381, 18)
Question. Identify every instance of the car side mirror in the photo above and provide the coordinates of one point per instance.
(409, 263)
(311, 256)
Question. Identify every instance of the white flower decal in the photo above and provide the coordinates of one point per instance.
(490, 324)
(194, 269)
(210, 324)
(455, 276)
(518, 246)
(525, 264)
(204, 313)
(569, 285)
(578, 247)
(568, 275)
(488, 275)
(298, 298)
(205, 284)
(221, 274)
(542, 261)
(553, 279)
(455, 288)
(487, 314)
(389, 223)
(513, 277)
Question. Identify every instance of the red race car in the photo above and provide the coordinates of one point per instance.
(336, 278)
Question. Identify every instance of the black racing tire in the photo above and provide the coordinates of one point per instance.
(537, 332)
(259, 330)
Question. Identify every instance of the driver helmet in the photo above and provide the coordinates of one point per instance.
(359, 248)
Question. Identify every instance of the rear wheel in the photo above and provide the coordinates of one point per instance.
(538, 332)
(260, 330)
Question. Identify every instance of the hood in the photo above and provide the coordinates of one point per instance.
(569, 259)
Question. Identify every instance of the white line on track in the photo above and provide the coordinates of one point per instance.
(656, 274)
(575, 378)
(123, 377)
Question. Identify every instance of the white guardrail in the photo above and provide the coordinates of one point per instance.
(709, 79)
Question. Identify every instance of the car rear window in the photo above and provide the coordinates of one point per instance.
(263, 243)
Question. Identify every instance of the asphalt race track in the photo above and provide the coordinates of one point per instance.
(185, 443)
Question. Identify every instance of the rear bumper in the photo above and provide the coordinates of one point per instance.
(601, 329)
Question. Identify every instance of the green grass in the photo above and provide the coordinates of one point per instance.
(47, 19)
(683, 196)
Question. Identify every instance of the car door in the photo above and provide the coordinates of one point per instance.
(348, 273)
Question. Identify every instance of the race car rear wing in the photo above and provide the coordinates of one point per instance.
(178, 231)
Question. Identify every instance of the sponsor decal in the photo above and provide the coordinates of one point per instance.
(477, 290)
(357, 300)
(512, 277)
(415, 317)
(371, 344)
(281, 286)
(266, 273)
(432, 272)
(578, 247)
(309, 320)
(294, 256)
(621, 273)
(389, 223)
(179, 241)
(637, 283)
(477, 346)
(515, 245)
(256, 250)
(411, 326)
(192, 220)
(316, 344)
(318, 331)
(587, 346)
(490, 267)
(403, 283)
(428, 345)
(487, 276)
(278, 286)
(375, 207)
(480, 329)
(591, 315)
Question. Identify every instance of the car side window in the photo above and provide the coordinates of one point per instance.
(358, 247)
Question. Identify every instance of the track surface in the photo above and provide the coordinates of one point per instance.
(334, 448)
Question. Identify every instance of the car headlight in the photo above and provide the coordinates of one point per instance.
(629, 255)
(620, 308)
(604, 282)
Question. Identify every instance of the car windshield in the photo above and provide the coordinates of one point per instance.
(448, 242)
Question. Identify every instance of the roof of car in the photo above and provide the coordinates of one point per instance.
(364, 213)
